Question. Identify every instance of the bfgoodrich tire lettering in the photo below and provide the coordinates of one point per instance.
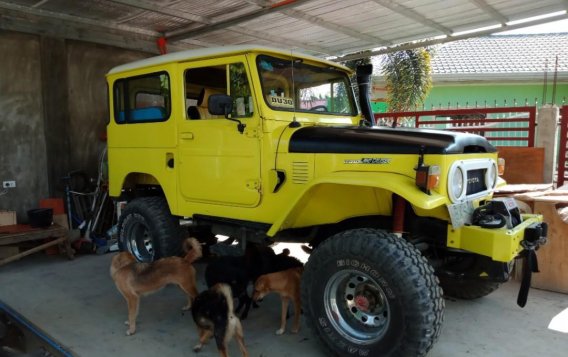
(148, 230)
(367, 292)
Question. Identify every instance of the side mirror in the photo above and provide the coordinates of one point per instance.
(220, 104)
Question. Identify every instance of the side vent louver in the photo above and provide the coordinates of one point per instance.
(300, 172)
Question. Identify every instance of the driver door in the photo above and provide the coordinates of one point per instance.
(218, 164)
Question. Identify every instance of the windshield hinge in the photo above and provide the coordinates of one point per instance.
(253, 133)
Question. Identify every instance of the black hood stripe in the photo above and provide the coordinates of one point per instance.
(357, 140)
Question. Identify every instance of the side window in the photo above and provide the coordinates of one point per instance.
(240, 91)
(230, 79)
(142, 99)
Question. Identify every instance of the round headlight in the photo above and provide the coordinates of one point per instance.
(457, 182)
(491, 176)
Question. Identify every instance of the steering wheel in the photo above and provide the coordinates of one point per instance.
(319, 108)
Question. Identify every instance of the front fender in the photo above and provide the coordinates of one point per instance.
(366, 194)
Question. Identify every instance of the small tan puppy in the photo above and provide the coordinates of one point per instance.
(134, 279)
(287, 284)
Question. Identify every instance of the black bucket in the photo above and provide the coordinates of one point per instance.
(40, 217)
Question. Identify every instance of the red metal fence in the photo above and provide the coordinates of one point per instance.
(562, 150)
(507, 126)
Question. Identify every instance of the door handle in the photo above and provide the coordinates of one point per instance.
(186, 136)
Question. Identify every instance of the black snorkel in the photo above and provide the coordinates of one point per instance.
(364, 73)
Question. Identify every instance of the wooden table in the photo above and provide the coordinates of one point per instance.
(17, 233)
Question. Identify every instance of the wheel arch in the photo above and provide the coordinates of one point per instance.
(346, 195)
(133, 181)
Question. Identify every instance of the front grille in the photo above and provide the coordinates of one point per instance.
(475, 181)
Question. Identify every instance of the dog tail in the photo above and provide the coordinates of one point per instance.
(193, 250)
(225, 290)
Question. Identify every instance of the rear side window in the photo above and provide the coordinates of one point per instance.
(142, 99)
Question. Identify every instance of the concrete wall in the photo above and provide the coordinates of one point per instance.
(88, 99)
(53, 109)
(22, 141)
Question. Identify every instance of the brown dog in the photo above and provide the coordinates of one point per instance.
(213, 314)
(134, 279)
(287, 284)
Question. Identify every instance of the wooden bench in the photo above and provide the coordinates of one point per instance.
(18, 233)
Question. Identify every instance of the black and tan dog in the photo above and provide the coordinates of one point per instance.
(287, 284)
(134, 279)
(213, 314)
(239, 271)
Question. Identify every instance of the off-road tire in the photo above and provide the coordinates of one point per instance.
(148, 230)
(467, 289)
(382, 267)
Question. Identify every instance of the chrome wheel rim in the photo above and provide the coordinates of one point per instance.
(357, 307)
(140, 243)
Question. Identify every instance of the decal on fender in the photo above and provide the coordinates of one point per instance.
(369, 160)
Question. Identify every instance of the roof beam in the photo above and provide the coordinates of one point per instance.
(39, 3)
(185, 33)
(411, 14)
(65, 19)
(490, 10)
(149, 6)
(41, 22)
(283, 40)
(52, 27)
(373, 40)
(418, 44)
(318, 21)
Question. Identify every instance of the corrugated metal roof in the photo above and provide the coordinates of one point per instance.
(319, 27)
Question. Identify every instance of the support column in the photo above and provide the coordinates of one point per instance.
(547, 119)
(54, 87)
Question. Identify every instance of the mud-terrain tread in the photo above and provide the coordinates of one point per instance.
(163, 226)
(424, 308)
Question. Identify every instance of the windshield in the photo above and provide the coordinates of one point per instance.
(322, 90)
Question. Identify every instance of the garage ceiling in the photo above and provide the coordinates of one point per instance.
(319, 27)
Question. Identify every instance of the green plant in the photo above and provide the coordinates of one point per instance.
(408, 78)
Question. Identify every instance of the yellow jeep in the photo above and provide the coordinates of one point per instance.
(266, 146)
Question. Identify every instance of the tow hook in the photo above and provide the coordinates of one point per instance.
(535, 236)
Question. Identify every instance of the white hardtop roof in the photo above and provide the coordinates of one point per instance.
(213, 52)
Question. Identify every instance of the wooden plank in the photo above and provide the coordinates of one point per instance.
(553, 257)
(23, 232)
(522, 165)
(33, 250)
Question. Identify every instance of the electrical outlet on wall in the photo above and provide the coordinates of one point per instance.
(9, 184)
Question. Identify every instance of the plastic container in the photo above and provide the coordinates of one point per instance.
(40, 217)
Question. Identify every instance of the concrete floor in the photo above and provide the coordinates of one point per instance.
(77, 304)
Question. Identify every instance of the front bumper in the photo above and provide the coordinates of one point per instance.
(500, 244)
